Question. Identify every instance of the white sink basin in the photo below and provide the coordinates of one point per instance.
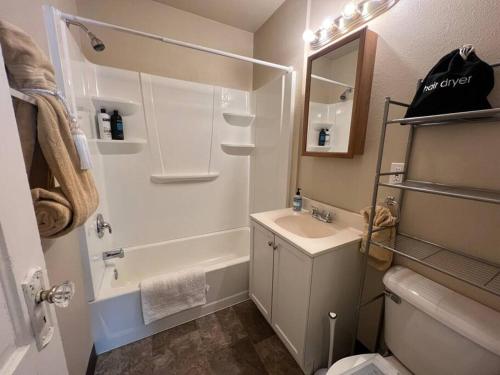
(305, 226)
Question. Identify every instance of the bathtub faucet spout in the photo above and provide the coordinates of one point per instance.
(116, 253)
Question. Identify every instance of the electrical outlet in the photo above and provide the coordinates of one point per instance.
(397, 178)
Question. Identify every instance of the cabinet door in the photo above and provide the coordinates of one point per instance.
(261, 269)
(291, 290)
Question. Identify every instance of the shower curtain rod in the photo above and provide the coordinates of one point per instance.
(70, 17)
(319, 78)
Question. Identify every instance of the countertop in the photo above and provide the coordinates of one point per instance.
(345, 234)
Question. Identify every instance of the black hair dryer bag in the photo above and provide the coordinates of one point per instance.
(454, 84)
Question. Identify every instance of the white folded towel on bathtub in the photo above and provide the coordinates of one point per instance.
(168, 294)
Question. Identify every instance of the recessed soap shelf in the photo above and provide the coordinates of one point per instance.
(238, 119)
(124, 106)
(119, 147)
(188, 177)
(238, 148)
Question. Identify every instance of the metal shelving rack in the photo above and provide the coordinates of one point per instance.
(465, 267)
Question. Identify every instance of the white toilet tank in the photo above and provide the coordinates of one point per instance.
(434, 330)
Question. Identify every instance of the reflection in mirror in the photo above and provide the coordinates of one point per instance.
(337, 100)
(333, 78)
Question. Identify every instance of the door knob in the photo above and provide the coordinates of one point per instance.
(59, 295)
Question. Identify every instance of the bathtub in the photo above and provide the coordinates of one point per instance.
(116, 312)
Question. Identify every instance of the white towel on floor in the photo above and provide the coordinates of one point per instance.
(168, 294)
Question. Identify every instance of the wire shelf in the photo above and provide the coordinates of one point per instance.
(489, 196)
(492, 114)
(467, 268)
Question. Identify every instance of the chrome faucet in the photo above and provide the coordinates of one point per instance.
(115, 253)
(101, 226)
(324, 216)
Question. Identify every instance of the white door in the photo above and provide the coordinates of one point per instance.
(20, 252)
(291, 291)
(261, 271)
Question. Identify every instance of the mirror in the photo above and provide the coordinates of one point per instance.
(338, 86)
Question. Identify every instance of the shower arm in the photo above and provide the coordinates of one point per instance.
(72, 18)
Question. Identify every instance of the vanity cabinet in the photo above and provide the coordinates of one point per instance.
(295, 291)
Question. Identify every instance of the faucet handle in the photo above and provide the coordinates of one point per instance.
(314, 210)
(102, 225)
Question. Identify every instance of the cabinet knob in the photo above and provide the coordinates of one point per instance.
(275, 247)
(270, 243)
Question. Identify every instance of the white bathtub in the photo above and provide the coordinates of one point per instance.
(116, 313)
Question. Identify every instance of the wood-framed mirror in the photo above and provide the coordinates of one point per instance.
(337, 99)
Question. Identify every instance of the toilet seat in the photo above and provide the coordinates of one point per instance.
(348, 363)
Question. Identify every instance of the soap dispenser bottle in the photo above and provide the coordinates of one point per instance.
(116, 126)
(297, 201)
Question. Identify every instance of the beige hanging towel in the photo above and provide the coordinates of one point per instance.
(52, 155)
(384, 231)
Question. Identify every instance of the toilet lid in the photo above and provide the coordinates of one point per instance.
(368, 364)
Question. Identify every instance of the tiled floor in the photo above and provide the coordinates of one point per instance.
(236, 340)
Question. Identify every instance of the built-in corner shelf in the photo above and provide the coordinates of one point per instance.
(176, 178)
(322, 125)
(124, 106)
(238, 119)
(317, 148)
(117, 147)
(237, 148)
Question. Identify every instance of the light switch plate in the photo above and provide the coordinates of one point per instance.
(41, 321)
(397, 178)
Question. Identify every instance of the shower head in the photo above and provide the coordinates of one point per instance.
(343, 96)
(96, 43)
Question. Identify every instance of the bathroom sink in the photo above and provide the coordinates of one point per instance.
(304, 225)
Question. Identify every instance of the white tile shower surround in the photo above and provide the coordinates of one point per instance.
(336, 117)
(184, 127)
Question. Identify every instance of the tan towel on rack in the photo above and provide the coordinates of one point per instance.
(384, 231)
(58, 210)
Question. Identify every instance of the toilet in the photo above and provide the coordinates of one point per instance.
(430, 329)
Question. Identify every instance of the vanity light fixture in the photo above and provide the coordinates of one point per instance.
(350, 11)
(354, 14)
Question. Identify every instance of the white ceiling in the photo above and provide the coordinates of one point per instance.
(244, 14)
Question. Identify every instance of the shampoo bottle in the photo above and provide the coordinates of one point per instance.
(297, 201)
(322, 137)
(104, 124)
(116, 126)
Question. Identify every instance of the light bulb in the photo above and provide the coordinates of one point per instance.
(308, 36)
(327, 23)
(369, 7)
(350, 11)
(323, 34)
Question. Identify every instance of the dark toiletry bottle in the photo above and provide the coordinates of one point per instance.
(116, 126)
(321, 140)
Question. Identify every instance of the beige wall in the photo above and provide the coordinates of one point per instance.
(62, 256)
(149, 56)
(412, 37)
(279, 40)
